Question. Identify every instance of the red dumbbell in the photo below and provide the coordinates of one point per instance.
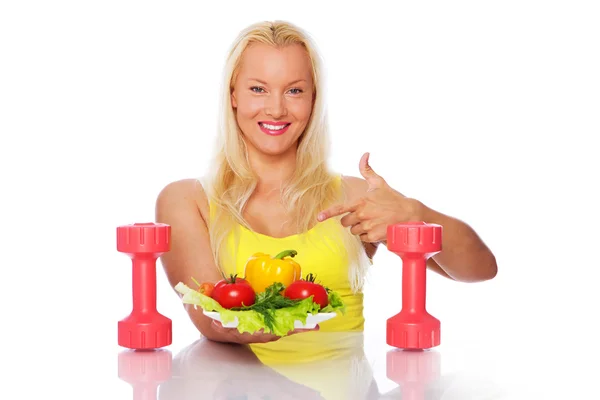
(145, 327)
(415, 243)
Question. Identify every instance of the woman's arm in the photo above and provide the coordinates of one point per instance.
(179, 205)
(464, 257)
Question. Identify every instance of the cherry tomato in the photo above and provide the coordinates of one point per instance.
(206, 289)
(230, 293)
(305, 288)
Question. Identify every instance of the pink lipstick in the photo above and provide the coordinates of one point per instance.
(274, 128)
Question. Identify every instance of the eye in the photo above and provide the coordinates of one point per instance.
(296, 91)
(257, 89)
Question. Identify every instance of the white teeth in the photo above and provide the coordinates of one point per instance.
(274, 127)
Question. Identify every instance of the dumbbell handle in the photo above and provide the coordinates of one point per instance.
(414, 275)
(144, 282)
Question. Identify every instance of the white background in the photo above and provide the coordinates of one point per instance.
(486, 111)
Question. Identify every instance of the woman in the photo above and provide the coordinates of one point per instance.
(272, 190)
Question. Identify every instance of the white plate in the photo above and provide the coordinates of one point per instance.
(311, 320)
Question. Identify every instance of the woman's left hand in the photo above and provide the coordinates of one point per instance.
(381, 206)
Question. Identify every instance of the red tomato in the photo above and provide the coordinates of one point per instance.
(302, 289)
(230, 279)
(231, 292)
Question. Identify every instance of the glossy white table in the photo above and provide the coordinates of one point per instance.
(203, 369)
(50, 364)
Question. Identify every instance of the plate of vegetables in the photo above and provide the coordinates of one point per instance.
(272, 296)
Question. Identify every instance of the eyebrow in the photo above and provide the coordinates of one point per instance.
(265, 83)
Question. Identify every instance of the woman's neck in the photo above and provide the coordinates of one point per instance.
(272, 171)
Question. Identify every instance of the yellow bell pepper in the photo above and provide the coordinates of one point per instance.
(262, 270)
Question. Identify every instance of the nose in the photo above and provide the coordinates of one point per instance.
(275, 106)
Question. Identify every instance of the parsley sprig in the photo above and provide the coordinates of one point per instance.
(268, 301)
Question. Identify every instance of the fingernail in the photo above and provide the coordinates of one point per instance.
(320, 217)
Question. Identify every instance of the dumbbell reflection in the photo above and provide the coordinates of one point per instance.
(418, 374)
(145, 371)
(415, 371)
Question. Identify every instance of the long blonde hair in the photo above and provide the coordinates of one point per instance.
(312, 186)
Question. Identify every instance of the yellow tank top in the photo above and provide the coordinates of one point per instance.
(320, 252)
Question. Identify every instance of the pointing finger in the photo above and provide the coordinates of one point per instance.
(335, 211)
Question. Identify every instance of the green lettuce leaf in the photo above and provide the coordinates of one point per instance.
(335, 303)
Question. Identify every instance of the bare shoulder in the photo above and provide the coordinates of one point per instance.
(183, 194)
(354, 187)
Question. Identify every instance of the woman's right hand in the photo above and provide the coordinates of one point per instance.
(234, 336)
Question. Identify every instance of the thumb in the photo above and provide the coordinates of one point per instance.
(375, 181)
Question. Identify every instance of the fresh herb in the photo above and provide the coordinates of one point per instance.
(268, 301)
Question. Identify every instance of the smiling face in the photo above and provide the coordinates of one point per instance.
(273, 97)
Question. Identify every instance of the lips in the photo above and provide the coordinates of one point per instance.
(273, 128)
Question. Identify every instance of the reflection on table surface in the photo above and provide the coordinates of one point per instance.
(210, 370)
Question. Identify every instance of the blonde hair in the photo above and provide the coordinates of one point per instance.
(311, 188)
